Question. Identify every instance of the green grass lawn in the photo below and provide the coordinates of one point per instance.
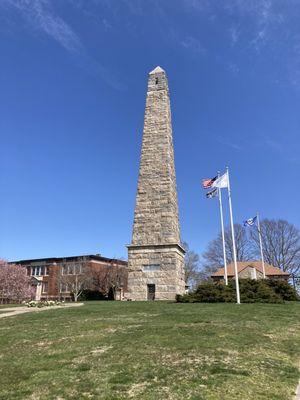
(154, 350)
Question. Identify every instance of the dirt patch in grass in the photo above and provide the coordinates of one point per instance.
(137, 389)
(101, 350)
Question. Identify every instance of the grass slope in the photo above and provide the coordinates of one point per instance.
(135, 350)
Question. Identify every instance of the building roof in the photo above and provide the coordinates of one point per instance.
(241, 265)
(51, 260)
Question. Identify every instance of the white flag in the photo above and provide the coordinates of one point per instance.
(221, 182)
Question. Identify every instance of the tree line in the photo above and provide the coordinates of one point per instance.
(281, 248)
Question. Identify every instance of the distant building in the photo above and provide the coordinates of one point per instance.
(54, 278)
(250, 270)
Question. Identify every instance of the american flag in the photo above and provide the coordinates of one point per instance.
(207, 183)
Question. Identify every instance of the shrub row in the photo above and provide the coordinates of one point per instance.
(88, 294)
(44, 303)
(251, 291)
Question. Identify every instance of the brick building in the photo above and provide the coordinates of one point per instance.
(250, 270)
(55, 278)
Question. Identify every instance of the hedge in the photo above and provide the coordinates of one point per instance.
(251, 291)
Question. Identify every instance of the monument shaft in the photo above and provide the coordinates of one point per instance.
(155, 256)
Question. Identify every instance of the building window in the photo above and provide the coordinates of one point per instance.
(35, 271)
(64, 288)
(66, 270)
(78, 269)
(45, 287)
(71, 269)
(39, 271)
(151, 267)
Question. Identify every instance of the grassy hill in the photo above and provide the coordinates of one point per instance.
(135, 350)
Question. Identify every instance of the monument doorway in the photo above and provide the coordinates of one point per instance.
(150, 291)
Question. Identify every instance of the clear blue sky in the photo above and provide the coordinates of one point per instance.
(73, 84)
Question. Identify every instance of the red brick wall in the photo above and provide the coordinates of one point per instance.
(98, 268)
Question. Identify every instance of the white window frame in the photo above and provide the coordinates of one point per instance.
(44, 284)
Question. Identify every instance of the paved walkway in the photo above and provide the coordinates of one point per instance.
(11, 311)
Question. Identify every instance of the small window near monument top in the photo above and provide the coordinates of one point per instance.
(156, 81)
(151, 267)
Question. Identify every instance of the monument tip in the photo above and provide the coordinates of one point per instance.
(156, 70)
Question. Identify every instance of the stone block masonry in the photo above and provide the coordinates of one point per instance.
(155, 255)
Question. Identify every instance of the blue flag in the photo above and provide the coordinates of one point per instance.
(250, 221)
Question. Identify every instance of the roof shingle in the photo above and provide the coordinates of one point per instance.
(269, 269)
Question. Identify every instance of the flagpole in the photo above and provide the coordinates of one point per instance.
(261, 248)
(223, 236)
(233, 242)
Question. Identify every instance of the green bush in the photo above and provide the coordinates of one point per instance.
(214, 293)
(88, 294)
(251, 291)
(186, 298)
(283, 289)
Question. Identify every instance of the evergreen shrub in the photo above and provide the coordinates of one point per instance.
(283, 289)
(88, 294)
(251, 291)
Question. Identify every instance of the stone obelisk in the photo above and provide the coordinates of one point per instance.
(155, 255)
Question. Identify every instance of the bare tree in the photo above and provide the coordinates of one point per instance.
(109, 278)
(213, 256)
(74, 277)
(98, 275)
(191, 265)
(116, 277)
(281, 244)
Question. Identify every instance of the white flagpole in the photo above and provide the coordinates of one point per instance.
(237, 286)
(261, 248)
(223, 236)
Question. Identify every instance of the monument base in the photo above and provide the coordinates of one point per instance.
(155, 272)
